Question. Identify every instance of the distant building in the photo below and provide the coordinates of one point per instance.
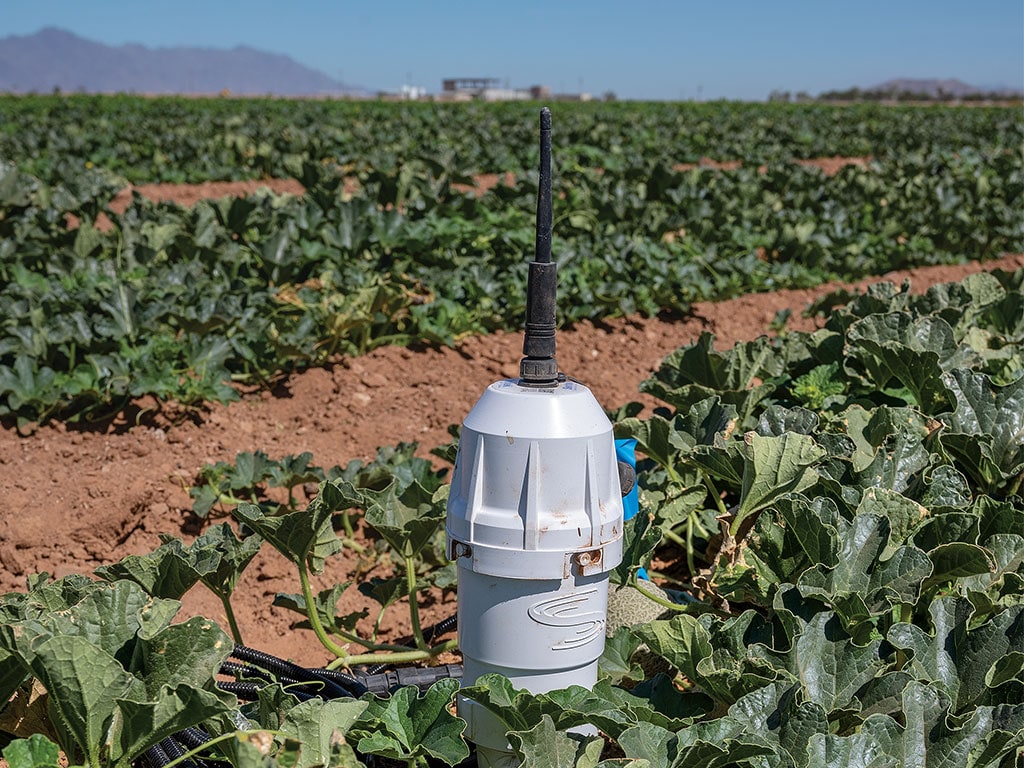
(490, 89)
(472, 86)
(413, 92)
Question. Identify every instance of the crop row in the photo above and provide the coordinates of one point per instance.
(151, 140)
(182, 303)
(838, 525)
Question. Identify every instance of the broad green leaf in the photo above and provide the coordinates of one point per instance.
(795, 534)
(931, 738)
(640, 538)
(291, 471)
(722, 461)
(305, 536)
(408, 518)
(1007, 551)
(221, 557)
(814, 524)
(830, 667)
(617, 661)
(913, 352)
(719, 743)
(681, 640)
(545, 747)
(776, 421)
(986, 429)
(144, 721)
(945, 490)
(109, 617)
(168, 571)
(613, 709)
(658, 438)
(250, 749)
(697, 372)
(773, 467)
(998, 517)
(649, 742)
(36, 751)
(898, 460)
(873, 746)
(708, 421)
(1008, 668)
(187, 653)
(957, 658)
(884, 694)
(84, 683)
(407, 726)
(686, 644)
(12, 672)
(775, 713)
(946, 529)
(320, 727)
(957, 560)
(902, 513)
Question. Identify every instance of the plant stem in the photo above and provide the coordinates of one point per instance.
(314, 618)
(674, 537)
(666, 578)
(713, 490)
(907, 617)
(403, 657)
(414, 607)
(694, 607)
(236, 633)
(657, 598)
(350, 535)
(689, 546)
(369, 644)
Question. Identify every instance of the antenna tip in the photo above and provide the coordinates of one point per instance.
(545, 119)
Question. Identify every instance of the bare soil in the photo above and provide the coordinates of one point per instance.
(79, 496)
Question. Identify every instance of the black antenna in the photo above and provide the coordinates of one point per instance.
(539, 368)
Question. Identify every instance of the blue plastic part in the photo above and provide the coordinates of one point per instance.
(625, 450)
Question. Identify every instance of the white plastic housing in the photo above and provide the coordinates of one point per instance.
(535, 524)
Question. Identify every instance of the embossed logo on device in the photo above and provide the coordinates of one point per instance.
(570, 611)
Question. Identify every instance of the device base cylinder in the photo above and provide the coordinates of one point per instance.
(543, 635)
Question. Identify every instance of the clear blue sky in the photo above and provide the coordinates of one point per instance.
(642, 49)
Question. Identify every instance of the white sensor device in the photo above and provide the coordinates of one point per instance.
(535, 517)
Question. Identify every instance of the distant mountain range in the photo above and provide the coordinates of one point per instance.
(934, 88)
(54, 58)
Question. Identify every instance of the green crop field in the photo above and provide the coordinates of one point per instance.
(834, 518)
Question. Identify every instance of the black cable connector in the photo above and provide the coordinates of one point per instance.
(421, 677)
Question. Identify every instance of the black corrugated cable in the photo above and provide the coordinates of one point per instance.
(352, 683)
(174, 750)
(278, 666)
(155, 757)
(249, 691)
(193, 737)
(196, 738)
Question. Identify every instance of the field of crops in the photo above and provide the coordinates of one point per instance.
(832, 516)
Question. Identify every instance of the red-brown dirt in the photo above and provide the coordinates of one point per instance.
(78, 497)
